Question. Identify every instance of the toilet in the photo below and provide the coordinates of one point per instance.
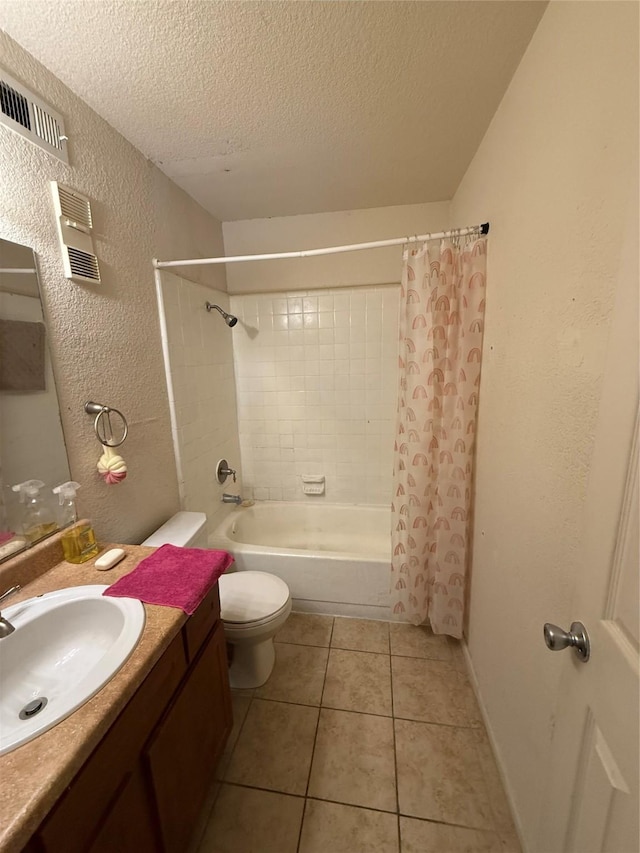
(253, 605)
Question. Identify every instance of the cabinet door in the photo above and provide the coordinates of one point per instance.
(185, 749)
(129, 824)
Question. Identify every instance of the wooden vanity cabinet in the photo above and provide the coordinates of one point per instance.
(145, 783)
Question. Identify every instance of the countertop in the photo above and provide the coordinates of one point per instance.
(36, 774)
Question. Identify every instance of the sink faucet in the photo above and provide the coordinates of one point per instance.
(231, 499)
(7, 628)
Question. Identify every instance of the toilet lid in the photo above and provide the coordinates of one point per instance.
(250, 596)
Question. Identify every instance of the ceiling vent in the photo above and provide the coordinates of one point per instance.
(75, 223)
(26, 114)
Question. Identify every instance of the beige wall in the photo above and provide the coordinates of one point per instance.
(105, 338)
(553, 175)
(315, 230)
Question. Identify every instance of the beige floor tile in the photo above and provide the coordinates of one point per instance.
(418, 641)
(353, 761)
(297, 676)
(439, 775)
(306, 629)
(422, 836)
(202, 821)
(498, 798)
(509, 842)
(432, 691)
(333, 828)
(358, 681)
(458, 659)
(275, 747)
(240, 704)
(362, 635)
(249, 821)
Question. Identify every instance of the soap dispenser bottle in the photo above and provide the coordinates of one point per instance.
(37, 518)
(78, 538)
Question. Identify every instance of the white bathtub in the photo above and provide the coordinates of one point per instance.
(335, 558)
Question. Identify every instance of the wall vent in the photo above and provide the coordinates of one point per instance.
(83, 265)
(75, 223)
(22, 111)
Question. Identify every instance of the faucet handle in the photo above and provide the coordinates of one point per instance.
(9, 592)
(223, 471)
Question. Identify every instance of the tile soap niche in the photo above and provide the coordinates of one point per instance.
(313, 484)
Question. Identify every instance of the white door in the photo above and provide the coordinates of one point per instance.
(592, 793)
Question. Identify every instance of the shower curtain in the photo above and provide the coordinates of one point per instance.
(441, 327)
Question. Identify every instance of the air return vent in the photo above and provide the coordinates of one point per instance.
(74, 221)
(26, 114)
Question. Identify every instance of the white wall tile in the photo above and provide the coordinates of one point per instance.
(318, 394)
(201, 365)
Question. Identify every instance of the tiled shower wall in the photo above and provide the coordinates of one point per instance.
(316, 389)
(202, 394)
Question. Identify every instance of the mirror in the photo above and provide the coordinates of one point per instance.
(31, 440)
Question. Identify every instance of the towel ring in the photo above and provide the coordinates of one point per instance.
(102, 423)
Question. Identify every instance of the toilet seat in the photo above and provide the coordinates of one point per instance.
(252, 598)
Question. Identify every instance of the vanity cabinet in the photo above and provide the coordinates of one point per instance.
(144, 785)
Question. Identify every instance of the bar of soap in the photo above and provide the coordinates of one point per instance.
(109, 559)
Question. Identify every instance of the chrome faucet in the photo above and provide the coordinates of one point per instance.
(7, 628)
(231, 499)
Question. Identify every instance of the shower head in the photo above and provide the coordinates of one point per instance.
(229, 319)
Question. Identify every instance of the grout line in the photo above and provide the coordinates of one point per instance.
(304, 645)
(445, 823)
(368, 713)
(315, 736)
(359, 651)
(304, 811)
(395, 752)
(249, 787)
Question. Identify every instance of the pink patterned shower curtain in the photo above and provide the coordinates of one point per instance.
(441, 326)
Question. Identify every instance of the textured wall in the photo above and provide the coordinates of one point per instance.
(311, 231)
(105, 338)
(553, 177)
(317, 384)
(202, 394)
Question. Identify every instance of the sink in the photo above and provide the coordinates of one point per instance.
(66, 646)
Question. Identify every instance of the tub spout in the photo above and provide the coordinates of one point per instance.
(231, 499)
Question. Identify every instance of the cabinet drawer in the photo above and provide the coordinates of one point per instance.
(198, 626)
(71, 824)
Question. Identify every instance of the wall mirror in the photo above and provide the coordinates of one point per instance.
(31, 439)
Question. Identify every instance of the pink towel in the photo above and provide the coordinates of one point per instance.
(176, 577)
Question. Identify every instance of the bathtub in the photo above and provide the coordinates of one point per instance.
(335, 558)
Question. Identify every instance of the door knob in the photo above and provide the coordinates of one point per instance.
(577, 637)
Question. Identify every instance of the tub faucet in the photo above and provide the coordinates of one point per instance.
(6, 628)
(231, 499)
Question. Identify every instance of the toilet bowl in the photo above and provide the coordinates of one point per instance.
(253, 605)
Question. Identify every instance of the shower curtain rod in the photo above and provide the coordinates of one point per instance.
(333, 250)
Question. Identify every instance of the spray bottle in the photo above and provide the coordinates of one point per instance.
(78, 538)
(37, 518)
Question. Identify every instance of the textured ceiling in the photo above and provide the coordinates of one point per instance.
(277, 108)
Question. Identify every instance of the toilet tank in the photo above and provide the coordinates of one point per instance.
(186, 529)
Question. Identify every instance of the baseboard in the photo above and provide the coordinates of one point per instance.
(494, 746)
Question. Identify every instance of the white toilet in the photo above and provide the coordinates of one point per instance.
(253, 605)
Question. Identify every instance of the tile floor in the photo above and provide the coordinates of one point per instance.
(366, 739)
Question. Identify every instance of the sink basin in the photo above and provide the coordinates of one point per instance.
(66, 646)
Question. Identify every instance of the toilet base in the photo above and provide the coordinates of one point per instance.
(252, 664)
